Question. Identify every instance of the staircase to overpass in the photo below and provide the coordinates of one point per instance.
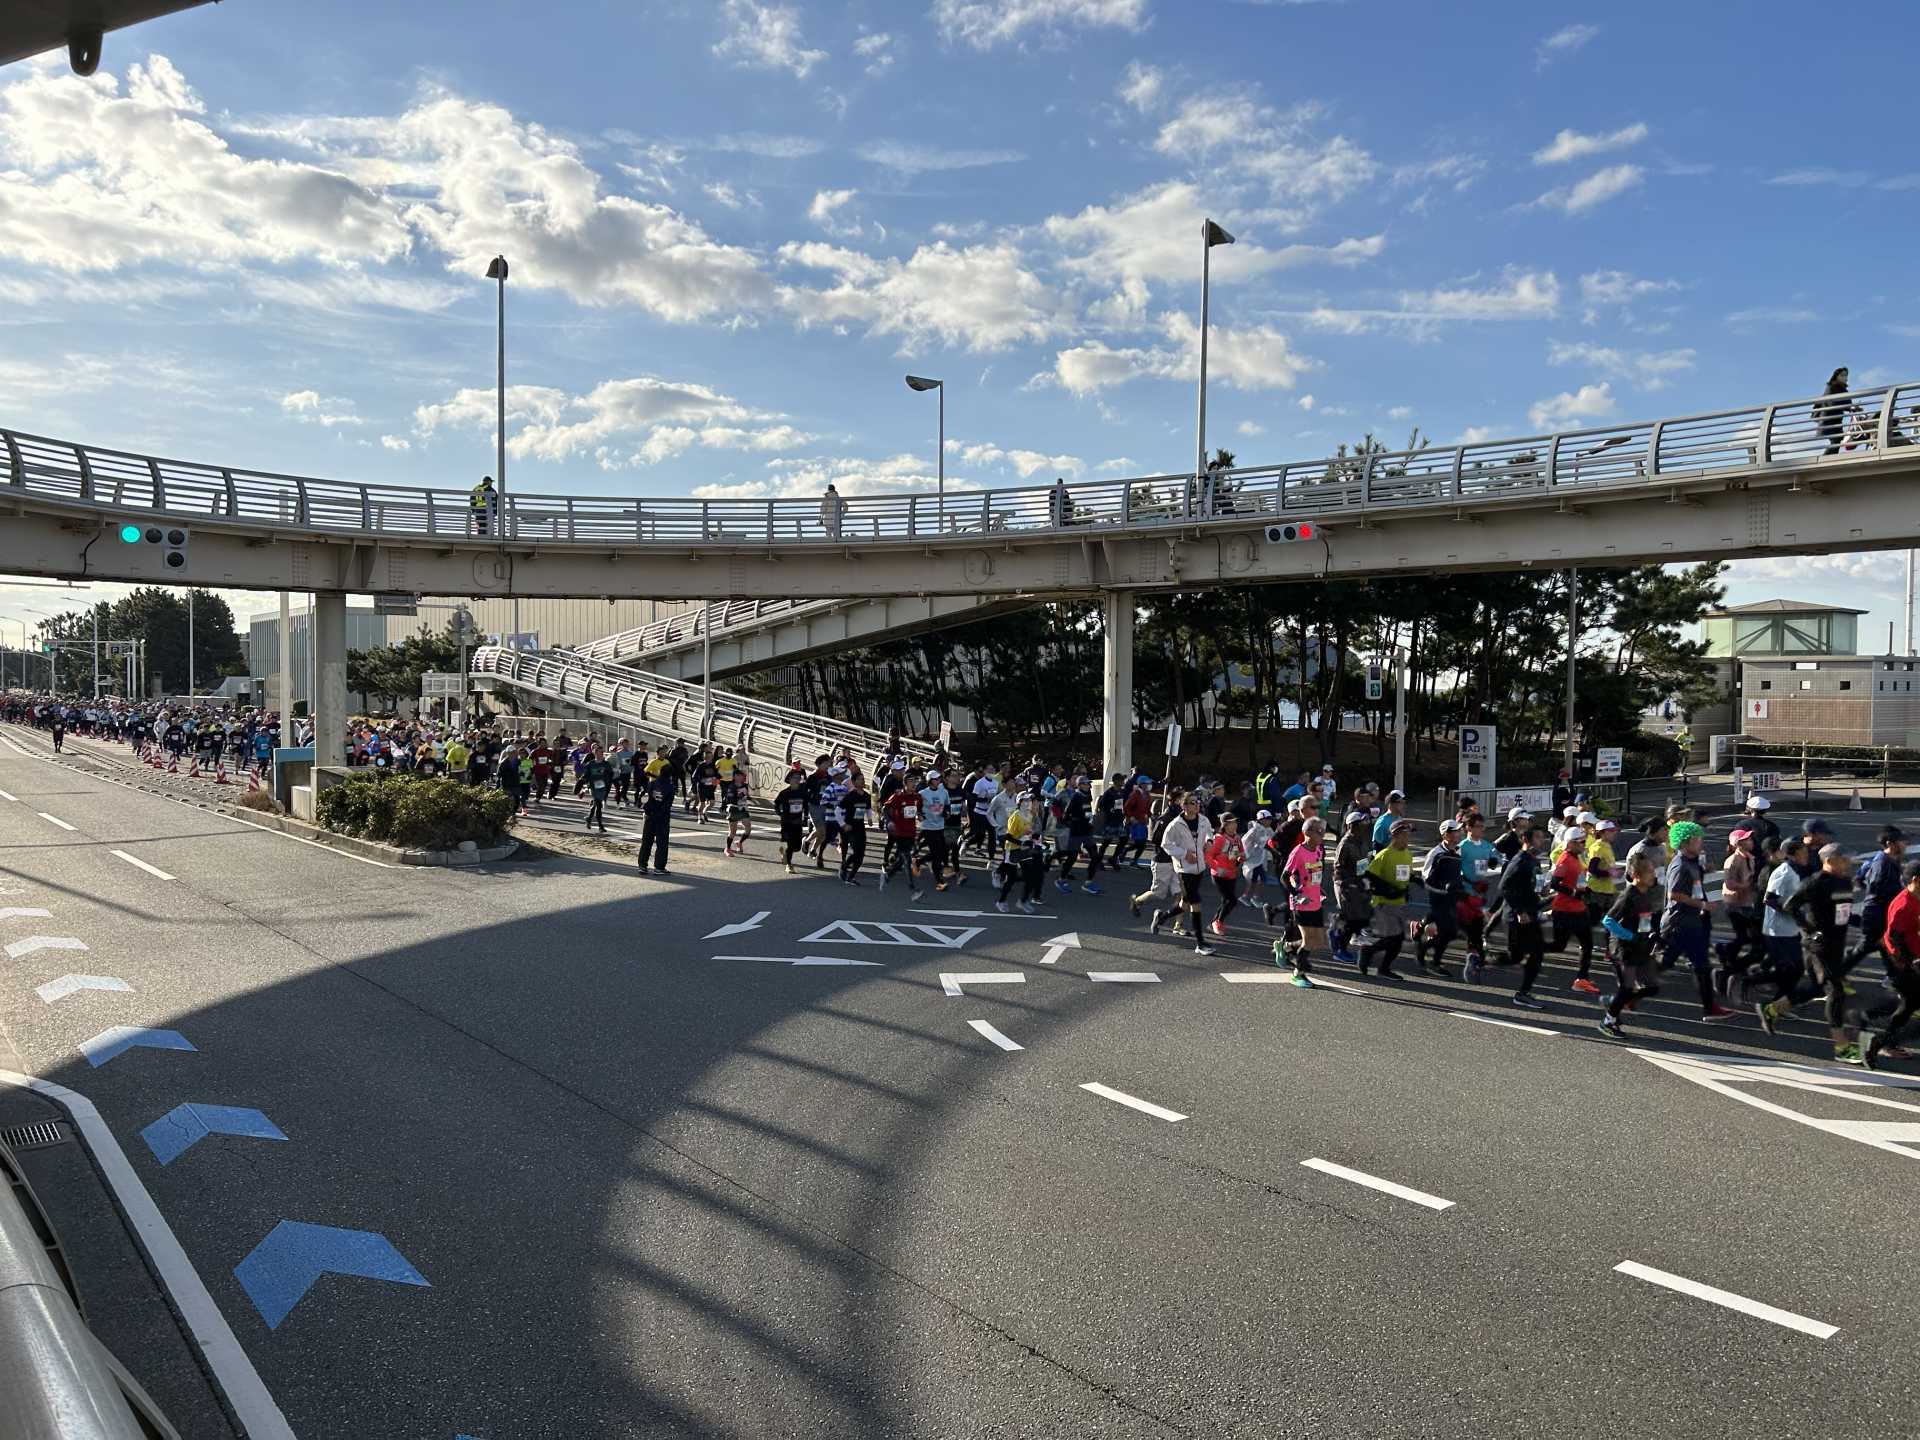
(750, 635)
(658, 707)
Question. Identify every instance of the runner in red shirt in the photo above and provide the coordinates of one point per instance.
(1901, 946)
(903, 834)
(1571, 917)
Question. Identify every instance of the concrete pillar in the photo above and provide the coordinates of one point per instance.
(329, 641)
(1116, 706)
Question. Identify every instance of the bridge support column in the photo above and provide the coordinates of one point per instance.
(329, 640)
(1116, 707)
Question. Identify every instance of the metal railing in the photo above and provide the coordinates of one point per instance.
(1646, 454)
(57, 1382)
(689, 626)
(663, 707)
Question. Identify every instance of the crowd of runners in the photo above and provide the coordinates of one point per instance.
(1330, 879)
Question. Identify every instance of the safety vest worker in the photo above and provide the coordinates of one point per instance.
(482, 503)
(1266, 788)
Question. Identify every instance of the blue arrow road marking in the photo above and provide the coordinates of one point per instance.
(109, 1043)
(282, 1267)
(184, 1126)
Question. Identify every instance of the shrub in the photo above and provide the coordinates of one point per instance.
(258, 800)
(419, 814)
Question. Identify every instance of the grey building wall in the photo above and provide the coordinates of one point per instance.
(365, 630)
(1833, 700)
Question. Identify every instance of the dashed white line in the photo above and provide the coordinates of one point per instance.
(951, 981)
(1285, 977)
(1120, 1097)
(1819, 1329)
(139, 864)
(5, 796)
(1122, 977)
(53, 820)
(1374, 1182)
(1503, 1024)
(995, 1036)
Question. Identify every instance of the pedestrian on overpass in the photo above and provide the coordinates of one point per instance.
(482, 500)
(833, 511)
(657, 810)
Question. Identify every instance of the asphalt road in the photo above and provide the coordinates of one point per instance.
(652, 1190)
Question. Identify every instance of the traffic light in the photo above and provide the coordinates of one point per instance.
(1295, 530)
(1376, 681)
(171, 538)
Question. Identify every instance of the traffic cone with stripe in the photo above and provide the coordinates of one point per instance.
(173, 766)
(220, 774)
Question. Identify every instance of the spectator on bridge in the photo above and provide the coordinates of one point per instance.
(1829, 416)
(482, 503)
(833, 510)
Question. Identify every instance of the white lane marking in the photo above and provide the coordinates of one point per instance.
(1059, 945)
(34, 944)
(1819, 1329)
(53, 820)
(5, 796)
(56, 990)
(139, 864)
(1503, 1024)
(1123, 976)
(23, 912)
(1374, 1182)
(951, 982)
(1120, 1097)
(246, 1392)
(740, 927)
(995, 1036)
(1285, 977)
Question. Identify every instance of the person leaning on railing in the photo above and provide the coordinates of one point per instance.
(481, 502)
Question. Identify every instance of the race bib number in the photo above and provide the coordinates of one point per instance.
(1842, 912)
(1402, 873)
(1645, 927)
(795, 807)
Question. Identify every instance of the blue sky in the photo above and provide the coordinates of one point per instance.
(259, 235)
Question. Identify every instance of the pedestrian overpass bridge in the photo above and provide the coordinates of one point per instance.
(1791, 477)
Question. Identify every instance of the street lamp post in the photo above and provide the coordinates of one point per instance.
(497, 270)
(1210, 236)
(921, 383)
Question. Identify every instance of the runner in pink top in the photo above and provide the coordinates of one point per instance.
(1301, 876)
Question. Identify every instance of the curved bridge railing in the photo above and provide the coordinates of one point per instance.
(726, 618)
(1796, 433)
(659, 706)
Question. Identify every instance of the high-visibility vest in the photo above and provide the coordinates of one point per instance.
(482, 497)
(1262, 786)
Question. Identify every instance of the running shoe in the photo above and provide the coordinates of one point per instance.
(1346, 957)
(1200, 947)
(1218, 929)
(914, 897)
(1586, 987)
(1029, 907)
(1091, 888)
(1848, 1055)
(1527, 1002)
(1065, 887)
(940, 886)
(1896, 1052)
(1300, 982)
(1001, 906)
(883, 881)
(1871, 1057)
(849, 880)
(1610, 1026)
(1769, 1021)
(1153, 925)
(1716, 1013)
(1470, 972)
(1279, 954)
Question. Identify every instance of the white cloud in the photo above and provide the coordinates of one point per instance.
(309, 407)
(1845, 179)
(1617, 287)
(799, 478)
(911, 157)
(620, 423)
(1250, 142)
(1119, 465)
(1572, 145)
(825, 212)
(1522, 294)
(1250, 428)
(1254, 358)
(1400, 412)
(986, 23)
(1024, 463)
(396, 442)
(1568, 40)
(1772, 315)
(1594, 191)
(1306, 402)
(1477, 434)
(1648, 370)
(979, 296)
(1141, 86)
(1563, 411)
(765, 37)
(724, 194)
(878, 50)
(766, 147)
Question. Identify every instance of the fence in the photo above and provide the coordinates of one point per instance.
(1773, 769)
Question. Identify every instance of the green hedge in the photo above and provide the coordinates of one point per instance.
(418, 814)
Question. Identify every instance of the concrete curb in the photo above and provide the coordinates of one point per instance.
(375, 849)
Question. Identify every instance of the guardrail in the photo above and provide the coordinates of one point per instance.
(56, 1381)
(1821, 429)
(688, 626)
(672, 707)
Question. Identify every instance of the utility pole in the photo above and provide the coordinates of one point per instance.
(1909, 649)
(286, 671)
(190, 685)
(1573, 634)
(706, 663)
(96, 652)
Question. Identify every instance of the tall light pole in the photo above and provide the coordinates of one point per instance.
(497, 270)
(921, 383)
(190, 686)
(1210, 236)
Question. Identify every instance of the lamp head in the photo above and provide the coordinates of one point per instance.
(497, 268)
(920, 382)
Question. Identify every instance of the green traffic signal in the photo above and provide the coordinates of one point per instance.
(130, 534)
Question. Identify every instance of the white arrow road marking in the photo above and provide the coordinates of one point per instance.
(739, 927)
(33, 944)
(1720, 1076)
(951, 982)
(53, 820)
(139, 864)
(877, 932)
(995, 1036)
(798, 959)
(1059, 945)
(1819, 1329)
(1146, 1107)
(1503, 1024)
(23, 912)
(67, 985)
(1124, 976)
(1374, 1182)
